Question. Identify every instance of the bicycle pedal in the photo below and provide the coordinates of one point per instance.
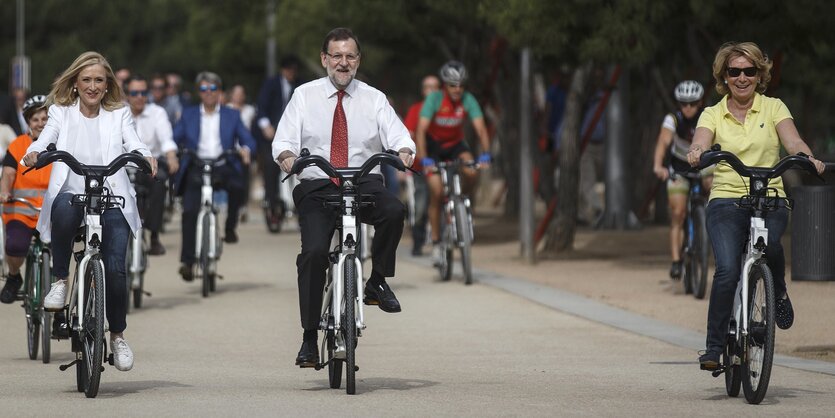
(146, 293)
(64, 367)
(109, 360)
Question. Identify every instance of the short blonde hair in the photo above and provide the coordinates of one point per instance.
(750, 50)
(63, 92)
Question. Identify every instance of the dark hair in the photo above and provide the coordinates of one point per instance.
(340, 34)
(289, 61)
(134, 77)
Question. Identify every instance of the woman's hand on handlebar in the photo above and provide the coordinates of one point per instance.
(153, 162)
(694, 155)
(820, 166)
(30, 159)
(661, 172)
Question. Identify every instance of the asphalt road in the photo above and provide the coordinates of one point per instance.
(453, 351)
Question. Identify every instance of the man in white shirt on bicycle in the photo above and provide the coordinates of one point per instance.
(312, 120)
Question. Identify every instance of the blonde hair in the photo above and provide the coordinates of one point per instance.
(750, 50)
(63, 88)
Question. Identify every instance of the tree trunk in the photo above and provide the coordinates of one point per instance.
(561, 232)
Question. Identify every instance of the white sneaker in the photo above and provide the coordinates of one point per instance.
(122, 354)
(436, 255)
(55, 300)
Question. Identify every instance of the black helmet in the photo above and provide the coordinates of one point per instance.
(32, 105)
(453, 72)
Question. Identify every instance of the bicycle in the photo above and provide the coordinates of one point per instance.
(137, 257)
(695, 248)
(85, 310)
(749, 351)
(283, 208)
(208, 245)
(342, 319)
(456, 220)
(36, 284)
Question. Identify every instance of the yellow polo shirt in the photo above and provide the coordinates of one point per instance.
(755, 142)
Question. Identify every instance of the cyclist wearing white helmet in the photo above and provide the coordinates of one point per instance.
(675, 137)
(440, 137)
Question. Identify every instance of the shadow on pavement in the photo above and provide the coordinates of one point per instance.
(115, 390)
(380, 383)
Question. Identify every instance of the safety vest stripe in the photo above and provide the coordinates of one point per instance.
(29, 193)
(21, 210)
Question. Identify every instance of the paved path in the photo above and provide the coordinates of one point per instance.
(454, 350)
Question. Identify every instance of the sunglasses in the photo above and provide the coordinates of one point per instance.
(735, 72)
(689, 104)
(208, 87)
(134, 93)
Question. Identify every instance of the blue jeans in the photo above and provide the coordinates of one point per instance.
(728, 227)
(116, 233)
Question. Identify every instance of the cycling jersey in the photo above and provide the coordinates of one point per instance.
(447, 117)
(683, 130)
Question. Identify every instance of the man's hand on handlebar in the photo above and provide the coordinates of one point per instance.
(406, 156)
(286, 160)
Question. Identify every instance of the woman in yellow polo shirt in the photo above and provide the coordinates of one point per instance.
(753, 127)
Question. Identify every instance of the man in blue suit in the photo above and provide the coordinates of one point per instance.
(208, 130)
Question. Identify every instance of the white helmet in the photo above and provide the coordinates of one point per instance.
(453, 72)
(689, 91)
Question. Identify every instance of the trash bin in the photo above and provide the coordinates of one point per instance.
(813, 233)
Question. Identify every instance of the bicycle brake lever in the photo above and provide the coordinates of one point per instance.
(285, 178)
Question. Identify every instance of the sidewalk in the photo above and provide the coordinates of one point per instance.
(628, 270)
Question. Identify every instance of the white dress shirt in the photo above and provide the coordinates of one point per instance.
(209, 146)
(373, 125)
(154, 130)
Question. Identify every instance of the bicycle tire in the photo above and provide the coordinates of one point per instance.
(204, 257)
(138, 292)
(445, 263)
(334, 364)
(274, 217)
(45, 282)
(464, 239)
(33, 321)
(733, 377)
(759, 355)
(349, 324)
(686, 257)
(92, 338)
(701, 252)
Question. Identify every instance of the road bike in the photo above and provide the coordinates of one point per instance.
(37, 280)
(208, 245)
(342, 319)
(456, 220)
(85, 311)
(137, 257)
(695, 248)
(749, 350)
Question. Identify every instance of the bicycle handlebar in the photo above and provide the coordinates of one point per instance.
(221, 159)
(716, 155)
(457, 163)
(48, 157)
(24, 201)
(389, 157)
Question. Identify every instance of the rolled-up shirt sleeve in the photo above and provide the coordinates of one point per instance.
(288, 134)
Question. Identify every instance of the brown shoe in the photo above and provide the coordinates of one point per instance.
(156, 248)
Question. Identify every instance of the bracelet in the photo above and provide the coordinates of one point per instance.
(695, 148)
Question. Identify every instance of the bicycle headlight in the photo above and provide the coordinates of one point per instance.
(757, 185)
(94, 183)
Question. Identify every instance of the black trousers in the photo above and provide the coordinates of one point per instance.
(224, 177)
(317, 224)
(152, 202)
(271, 172)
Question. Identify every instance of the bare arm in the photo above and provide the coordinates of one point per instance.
(665, 137)
(483, 137)
(420, 136)
(793, 143)
(6, 183)
(701, 143)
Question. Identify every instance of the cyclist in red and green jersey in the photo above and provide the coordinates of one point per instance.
(440, 137)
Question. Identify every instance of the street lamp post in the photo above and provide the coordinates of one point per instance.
(20, 62)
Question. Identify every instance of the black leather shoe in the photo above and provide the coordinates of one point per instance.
(308, 355)
(187, 272)
(9, 292)
(383, 296)
(156, 248)
(709, 360)
(231, 236)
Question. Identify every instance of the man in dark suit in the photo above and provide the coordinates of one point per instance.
(208, 130)
(272, 100)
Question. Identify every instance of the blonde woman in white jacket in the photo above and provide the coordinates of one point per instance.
(88, 119)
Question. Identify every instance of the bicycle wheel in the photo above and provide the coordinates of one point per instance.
(687, 257)
(45, 282)
(446, 244)
(462, 222)
(733, 377)
(274, 216)
(30, 305)
(204, 257)
(700, 251)
(334, 364)
(349, 324)
(139, 278)
(759, 345)
(92, 336)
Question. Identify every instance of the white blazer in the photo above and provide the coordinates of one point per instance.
(117, 134)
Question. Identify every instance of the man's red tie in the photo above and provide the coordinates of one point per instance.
(339, 136)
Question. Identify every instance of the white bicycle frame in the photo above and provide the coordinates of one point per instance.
(334, 290)
(137, 250)
(286, 194)
(758, 233)
(207, 209)
(92, 230)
